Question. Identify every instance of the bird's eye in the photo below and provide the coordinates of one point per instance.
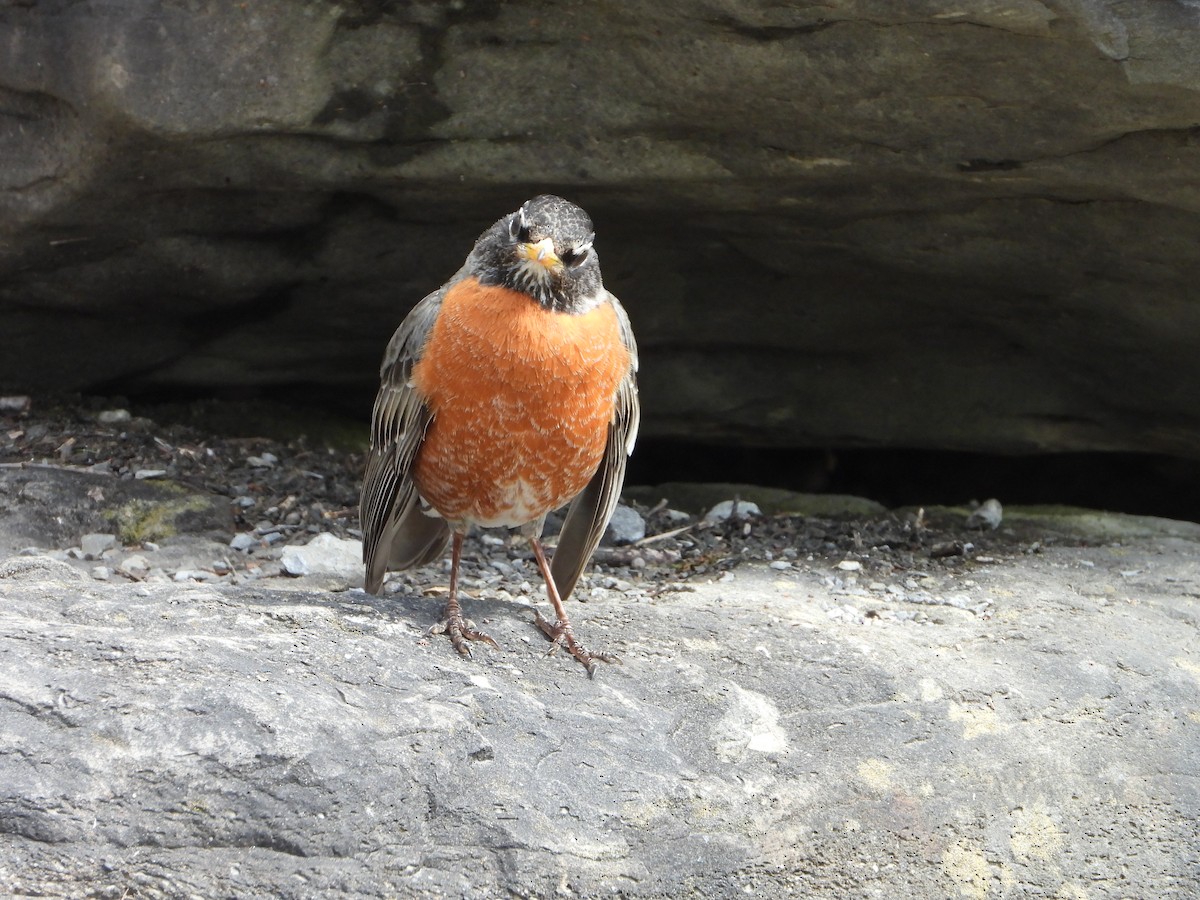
(519, 228)
(576, 256)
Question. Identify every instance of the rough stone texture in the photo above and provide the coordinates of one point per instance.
(772, 733)
(45, 506)
(924, 224)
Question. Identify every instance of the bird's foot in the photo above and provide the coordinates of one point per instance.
(460, 630)
(561, 635)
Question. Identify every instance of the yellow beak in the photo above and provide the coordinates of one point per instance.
(541, 252)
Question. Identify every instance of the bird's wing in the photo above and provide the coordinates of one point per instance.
(590, 511)
(396, 534)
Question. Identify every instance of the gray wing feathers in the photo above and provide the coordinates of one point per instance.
(589, 512)
(396, 534)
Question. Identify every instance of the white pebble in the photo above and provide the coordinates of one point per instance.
(989, 515)
(727, 508)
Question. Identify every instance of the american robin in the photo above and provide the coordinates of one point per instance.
(506, 393)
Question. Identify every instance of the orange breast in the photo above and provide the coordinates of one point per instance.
(521, 399)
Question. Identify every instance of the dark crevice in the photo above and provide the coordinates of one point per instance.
(1140, 484)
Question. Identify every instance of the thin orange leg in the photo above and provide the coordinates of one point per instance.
(560, 633)
(460, 630)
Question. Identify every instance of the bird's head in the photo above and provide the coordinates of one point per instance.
(544, 249)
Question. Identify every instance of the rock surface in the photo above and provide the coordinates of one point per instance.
(871, 703)
(770, 733)
(922, 224)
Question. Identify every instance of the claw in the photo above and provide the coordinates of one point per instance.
(461, 631)
(561, 635)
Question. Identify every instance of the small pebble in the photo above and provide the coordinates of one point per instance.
(17, 403)
(94, 545)
(781, 564)
(989, 515)
(626, 525)
(265, 461)
(136, 564)
(145, 474)
(101, 573)
(150, 545)
(849, 565)
(113, 416)
(726, 508)
(243, 542)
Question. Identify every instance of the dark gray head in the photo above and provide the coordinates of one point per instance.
(544, 249)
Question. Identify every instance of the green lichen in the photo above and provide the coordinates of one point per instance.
(139, 521)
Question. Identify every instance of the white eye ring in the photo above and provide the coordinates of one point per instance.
(518, 228)
(577, 256)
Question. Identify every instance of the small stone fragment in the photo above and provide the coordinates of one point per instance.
(947, 548)
(145, 474)
(94, 545)
(244, 542)
(989, 514)
(325, 555)
(136, 564)
(113, 416)
(626, 525)
(18, 403)
(849, 565)
(740, 509)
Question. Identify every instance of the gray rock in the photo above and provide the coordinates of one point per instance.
(243, 542)
(42, 505)
(39, 569)
(325, 555)
(94, 545)
(989, 514)
(113, 416)
(626, 525)
(913, 206)
(732, 508)
(221, 741)
(136, 564)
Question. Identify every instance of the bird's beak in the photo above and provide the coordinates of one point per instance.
(542, 252)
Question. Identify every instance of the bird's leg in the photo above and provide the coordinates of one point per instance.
(460, 630)
(560, 632)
